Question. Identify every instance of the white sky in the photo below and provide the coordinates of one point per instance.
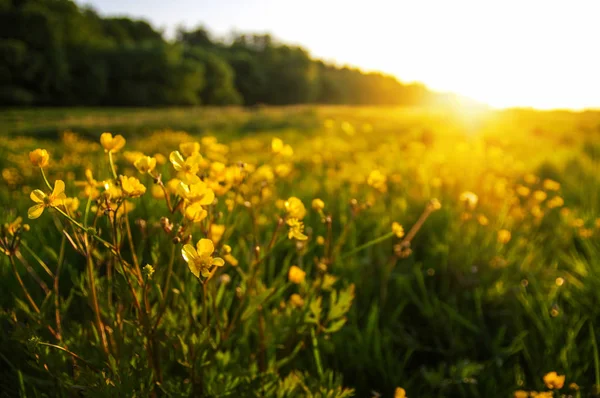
(544, 54)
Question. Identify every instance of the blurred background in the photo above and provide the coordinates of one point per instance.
(184, 52)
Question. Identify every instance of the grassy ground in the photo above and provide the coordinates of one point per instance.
(497, 288)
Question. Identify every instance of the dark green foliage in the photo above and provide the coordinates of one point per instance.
(55, 53)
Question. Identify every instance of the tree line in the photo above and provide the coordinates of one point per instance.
(55, 53)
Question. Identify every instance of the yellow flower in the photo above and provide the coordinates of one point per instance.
(573, 387)
(540, 196)
(196, 193)
(216, 232)
(132, 187)
(189, 148)
(296, 229)
(199, 259)
(554, 381)
(71, 204)
(400, 393)
(469, 199)
(521, 394)
(43, 200)
(318, 204)
(226, 249)
(145, 164)
(296, 300)
(39, 157)
(148, 271)
(397, 229)
(157, 192)
(296, 275)
(276, 145)
(434, 204)
(377, 180)
(556, 201)
(504, 236)
(320, 240)
(550, 185)
(523, 190)
(295, 208)
(110, 143)
(195, 212)
(187, 168)
(483, 220)
(90, 185)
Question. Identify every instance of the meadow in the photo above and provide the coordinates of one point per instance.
(299, 251)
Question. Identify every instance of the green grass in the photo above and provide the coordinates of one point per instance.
(463, 315)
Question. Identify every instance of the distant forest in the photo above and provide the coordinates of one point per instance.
(55, 53)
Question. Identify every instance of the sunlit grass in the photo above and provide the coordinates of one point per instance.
(284, 251)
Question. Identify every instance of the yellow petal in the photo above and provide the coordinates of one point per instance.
(177, 160)
(37, 196)
(208, 198)
(194, 268)
(189, 253)
(205, 247)
(218, 261)
(59, 187)
(35, 211)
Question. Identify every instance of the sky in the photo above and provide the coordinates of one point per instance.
(541, 54)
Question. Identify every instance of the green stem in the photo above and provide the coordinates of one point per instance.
(84, 229)
(16, 272)
(369, 244)
(316, 353)
(46, 179)
(596, 355)
(112, 165)
(88, 205)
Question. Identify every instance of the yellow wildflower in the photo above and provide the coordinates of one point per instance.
(521, 394)
(320, 240)
(43, 200)
(195, 212)
(226, 250)
(504, 236)
(216, 232)
(400, 393)
(132, 187)
(523, 190)
(276, 145)
(148, 271)
(398, 229)
(482, 220)
(295, 208)
(556, 201)
(296, 300)
(469, 199)
(187, 168)
(550, 185)
(196, 193)
(318, 204)
(110, 143)
(540, 196)
(296, 229)
(145, 164)
(189, 148)
(71, 204)
(377, 180)
(296, 275)
(39, 157)
(200, 259)
(554, 381)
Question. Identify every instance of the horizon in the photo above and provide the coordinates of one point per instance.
(531, 65)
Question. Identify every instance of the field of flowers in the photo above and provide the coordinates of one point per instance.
(288, 252)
